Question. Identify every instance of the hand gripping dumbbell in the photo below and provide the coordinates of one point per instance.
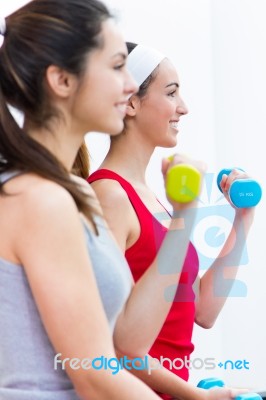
(216, 382)
(183, 183)
(243, 193)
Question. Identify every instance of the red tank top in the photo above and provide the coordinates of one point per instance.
(174, 339)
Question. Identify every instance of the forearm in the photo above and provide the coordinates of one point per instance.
(164, 381)
(152, 296)
(217, 283)
(114, 387)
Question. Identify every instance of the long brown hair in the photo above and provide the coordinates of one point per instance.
(81, 166)
(43, 33)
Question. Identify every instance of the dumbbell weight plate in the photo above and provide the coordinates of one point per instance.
(245, 193)
(183, 183)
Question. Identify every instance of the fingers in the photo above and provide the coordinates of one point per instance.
(225, 393)
(179, 158)
(227, 180)
(171, 161)
(236, 392)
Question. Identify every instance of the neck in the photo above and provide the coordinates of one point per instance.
(61, 142)
(129, 156)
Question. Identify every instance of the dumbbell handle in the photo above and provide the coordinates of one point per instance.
(216, 382)
(243, 193)
(183, 183)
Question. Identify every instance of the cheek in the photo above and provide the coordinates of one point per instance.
(170, 108)
(113, 83)
(165, 109)
(101, 89)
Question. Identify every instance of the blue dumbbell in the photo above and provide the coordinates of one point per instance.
(243, 193)
(216, 382)
(210, 382)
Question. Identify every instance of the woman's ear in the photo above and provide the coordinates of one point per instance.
(60, 82)
(132, 106)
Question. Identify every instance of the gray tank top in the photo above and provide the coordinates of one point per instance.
(26, 355)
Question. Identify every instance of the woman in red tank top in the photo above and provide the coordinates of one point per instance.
(135, 215)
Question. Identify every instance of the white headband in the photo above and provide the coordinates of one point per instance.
(2, 26)
(141, 61)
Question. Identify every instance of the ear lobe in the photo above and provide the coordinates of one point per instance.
(59, 81)
(130, 111)
(132, 106)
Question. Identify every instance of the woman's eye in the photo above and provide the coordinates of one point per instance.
(119, 66)
(172, 94)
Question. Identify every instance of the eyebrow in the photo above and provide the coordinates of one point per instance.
(173, 84)
(120, 54)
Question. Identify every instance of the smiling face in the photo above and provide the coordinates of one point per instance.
(161, 108)
(100, 101)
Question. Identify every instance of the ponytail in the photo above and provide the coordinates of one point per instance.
(18, 151)
(81, 166)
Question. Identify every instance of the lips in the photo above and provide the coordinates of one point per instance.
(121, 107)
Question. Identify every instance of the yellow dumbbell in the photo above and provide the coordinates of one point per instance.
(183, 182)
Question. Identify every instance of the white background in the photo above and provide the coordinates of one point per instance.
(218, 47)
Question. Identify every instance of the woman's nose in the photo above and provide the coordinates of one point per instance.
(181, 107)
(131, 85)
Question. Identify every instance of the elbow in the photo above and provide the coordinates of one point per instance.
(132, 351)
(203, 322)
(133, 346)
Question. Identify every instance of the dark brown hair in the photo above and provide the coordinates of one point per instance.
(43, 33)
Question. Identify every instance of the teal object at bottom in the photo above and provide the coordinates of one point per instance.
(210, 383)
(249, 396)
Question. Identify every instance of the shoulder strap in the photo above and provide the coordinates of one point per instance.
(134, 198)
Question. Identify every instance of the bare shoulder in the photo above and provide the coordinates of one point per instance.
(37, 201)
(110, 193)
(30, 188)
(118, 211)
(35, 210)
(42, 194)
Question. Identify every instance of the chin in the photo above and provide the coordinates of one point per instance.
(114, 128)
(170, 143)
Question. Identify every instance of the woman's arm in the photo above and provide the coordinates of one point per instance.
(217, 282)
(149, 303)
(51, 247)
(164, 381)
(151, 298)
